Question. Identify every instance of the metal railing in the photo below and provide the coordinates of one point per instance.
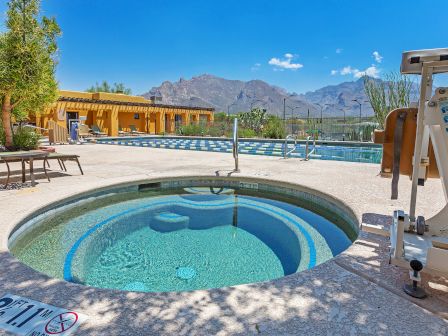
(35, 127)
(287, 152)
(56, 133)
(235, 144)
(307, 147)
(333, 128)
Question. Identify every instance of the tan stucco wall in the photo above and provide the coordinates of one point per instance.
(110, 116)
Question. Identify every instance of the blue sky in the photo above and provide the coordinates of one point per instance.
(298, 45)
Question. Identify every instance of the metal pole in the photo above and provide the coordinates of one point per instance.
(235, 144)
(321, 125)
(360, 115)
(343, 131)
(284, 109)
(284, 114)
(321, 108)
(425, 88)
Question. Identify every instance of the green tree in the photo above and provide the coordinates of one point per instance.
(28, 53)
(220, 116)
(106, 87)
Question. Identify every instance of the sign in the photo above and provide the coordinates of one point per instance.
(25, 317)
(61, 114)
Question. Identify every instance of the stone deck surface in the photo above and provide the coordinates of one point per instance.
(357, 293)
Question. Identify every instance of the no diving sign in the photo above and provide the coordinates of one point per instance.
(26, 317)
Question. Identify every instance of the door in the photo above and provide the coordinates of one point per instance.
(152, 123)
(71, 117)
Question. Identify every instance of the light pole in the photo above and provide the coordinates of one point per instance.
(292, 114)
(360, 110)
(343, 127)
(321, 109)
(343, 111)
(284, 113)
(360, 114)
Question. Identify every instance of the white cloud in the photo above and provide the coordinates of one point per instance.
(371, 71)
(348, 70)
(339, 50)
(255, 67)
(376, 55)
(281, 64)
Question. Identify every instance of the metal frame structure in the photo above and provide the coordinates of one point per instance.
(432, 124)
(425, 63)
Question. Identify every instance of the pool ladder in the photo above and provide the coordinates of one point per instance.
(307, 147)
(287, 152)
(308, 153)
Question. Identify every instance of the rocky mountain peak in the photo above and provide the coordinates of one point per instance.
(224, 95)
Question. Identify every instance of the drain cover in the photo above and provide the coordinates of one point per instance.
(185, 273)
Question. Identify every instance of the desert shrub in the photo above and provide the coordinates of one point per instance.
(193, 129)
(220, 117)
(274, 129)
(25, 139)
(215, 131)
(246, 133)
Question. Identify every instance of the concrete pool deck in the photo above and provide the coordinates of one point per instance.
(356, 293)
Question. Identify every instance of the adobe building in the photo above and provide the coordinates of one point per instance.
(112, 112)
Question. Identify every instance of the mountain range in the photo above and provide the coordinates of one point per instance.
(233, 96)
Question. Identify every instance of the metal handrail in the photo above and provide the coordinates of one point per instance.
(307, 152)
(36, 127)
(285, 147)
(235, 144)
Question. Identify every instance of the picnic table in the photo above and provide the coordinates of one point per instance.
(25, 157)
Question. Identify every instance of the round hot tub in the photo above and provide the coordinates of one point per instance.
(185, 234)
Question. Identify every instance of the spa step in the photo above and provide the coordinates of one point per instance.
(168, 222)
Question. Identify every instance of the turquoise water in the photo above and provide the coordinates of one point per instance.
(190, 239)
(367, 153)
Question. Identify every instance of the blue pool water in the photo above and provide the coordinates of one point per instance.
(353, 153)
(191, 238)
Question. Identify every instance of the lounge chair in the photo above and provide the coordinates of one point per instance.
(84, 131)
(134, 130)
(61, 158)
(25, 157)
(29, 157)
(96, 131)
(121, 132)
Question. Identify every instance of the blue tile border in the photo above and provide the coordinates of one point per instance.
(366, 154)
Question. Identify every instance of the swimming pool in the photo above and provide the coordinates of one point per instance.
(184, 235)
(368, 153)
